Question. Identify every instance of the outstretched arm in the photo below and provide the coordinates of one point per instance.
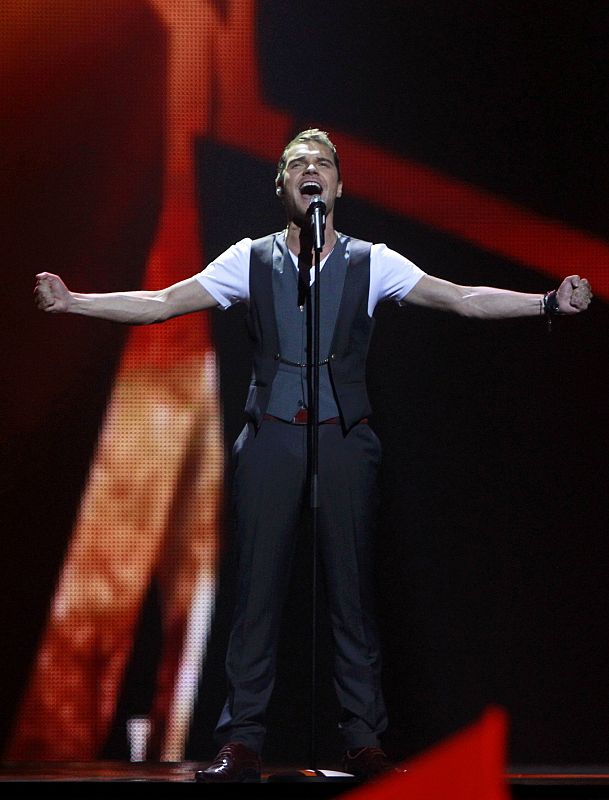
(133, 308)
(573, 296)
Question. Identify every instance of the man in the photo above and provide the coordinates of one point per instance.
(273, 276)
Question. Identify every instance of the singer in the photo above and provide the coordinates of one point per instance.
(273, 276)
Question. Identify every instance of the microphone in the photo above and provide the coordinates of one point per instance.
(317, 212)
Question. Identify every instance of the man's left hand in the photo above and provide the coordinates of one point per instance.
(574, 295)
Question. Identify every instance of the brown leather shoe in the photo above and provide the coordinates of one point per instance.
(367, 763)
(235, 763)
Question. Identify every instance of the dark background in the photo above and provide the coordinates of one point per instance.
(492, 545)
(492, 554)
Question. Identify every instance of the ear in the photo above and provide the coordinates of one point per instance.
(279, 191)
(339, 189)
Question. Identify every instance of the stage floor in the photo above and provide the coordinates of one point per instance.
(177, 780)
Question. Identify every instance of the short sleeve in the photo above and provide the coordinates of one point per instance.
(392, 276)
(226, 278)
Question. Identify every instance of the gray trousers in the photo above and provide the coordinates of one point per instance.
(269, 491)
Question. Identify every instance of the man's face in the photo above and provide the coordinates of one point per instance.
(309, 170)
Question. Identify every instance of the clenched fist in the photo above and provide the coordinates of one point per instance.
(51, 293)
(574, 295)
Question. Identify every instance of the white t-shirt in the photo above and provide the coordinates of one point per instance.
(227, 277)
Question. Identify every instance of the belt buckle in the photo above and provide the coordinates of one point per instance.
(301, 417)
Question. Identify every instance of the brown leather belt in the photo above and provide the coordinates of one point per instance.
(302, 418)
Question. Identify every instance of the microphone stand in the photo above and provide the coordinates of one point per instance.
(317, 213)
(318, 227)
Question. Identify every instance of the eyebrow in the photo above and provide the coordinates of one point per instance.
(297, 159)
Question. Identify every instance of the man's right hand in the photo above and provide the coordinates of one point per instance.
(140, 307)
(51, 293)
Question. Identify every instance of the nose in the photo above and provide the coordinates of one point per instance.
(311, 167)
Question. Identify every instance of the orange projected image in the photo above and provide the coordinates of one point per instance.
(150, 506)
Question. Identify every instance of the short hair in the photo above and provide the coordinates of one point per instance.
(311, 134)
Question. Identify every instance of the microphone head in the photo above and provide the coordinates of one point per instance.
(316, 203)
(317, 218)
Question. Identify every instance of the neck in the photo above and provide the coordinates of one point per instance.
(299, 240)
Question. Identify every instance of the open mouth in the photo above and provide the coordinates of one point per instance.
(310, 188)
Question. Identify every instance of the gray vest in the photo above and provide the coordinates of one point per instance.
(290, 386)
(276, 324)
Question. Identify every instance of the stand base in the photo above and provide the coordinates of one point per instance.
(310, 776)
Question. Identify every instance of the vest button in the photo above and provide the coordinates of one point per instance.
(277, 356)
(333, 356)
